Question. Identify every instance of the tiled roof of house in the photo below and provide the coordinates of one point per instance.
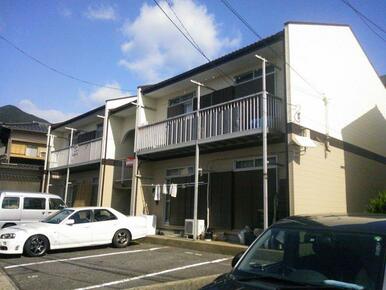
(33, 126)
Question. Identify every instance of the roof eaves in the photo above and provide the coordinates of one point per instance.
(217, 62)
(84, 115)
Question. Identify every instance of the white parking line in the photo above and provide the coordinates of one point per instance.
(153, 274)
(83, 257)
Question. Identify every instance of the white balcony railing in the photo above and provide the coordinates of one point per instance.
(226, 120)
(80, 153)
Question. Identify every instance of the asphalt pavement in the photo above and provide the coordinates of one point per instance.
(110, 268)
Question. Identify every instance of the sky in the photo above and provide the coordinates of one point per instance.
(123, 44)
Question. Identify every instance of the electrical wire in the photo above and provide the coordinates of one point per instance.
(59, 71)
(364, 16)
(192, 42)
(365, 20)
(245, 22)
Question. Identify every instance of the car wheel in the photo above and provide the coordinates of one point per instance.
(121, 238)
(36, 246)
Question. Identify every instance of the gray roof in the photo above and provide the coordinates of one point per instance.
(33, 126)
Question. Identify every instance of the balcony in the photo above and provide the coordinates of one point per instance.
(234, 119)
(82, 153)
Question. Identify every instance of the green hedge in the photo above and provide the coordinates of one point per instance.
(378, 204)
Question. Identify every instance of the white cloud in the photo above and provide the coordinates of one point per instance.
(65, 12)
(101, 12)
(154, 48)
(50, 115)
(100, 95)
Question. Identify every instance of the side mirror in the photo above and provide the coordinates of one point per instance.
(69, 222)
(236, 259)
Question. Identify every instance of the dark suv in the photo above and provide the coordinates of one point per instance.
(313, 252)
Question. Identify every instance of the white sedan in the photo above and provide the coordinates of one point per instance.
(71, 228)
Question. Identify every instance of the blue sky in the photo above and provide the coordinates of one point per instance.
(126, 43)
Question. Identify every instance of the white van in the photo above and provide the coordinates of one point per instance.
(22, 207)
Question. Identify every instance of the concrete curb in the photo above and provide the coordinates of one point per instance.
(186, 284)
(205, 246)
(5, 282)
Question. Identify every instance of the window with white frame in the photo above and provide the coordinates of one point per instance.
(252, 75)
(181, 171)
(184, 103)
(253, 163)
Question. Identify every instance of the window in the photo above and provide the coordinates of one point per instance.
(182, 171)
(34, 203)
(31, 150)
(56, 203)
(253, 74)
(254, 163)
(11, 202)
(101, 215)
(81, 217)
(180, 105)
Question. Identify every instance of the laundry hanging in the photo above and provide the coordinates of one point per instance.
(157, 193)
(165, 189)
(173, 190)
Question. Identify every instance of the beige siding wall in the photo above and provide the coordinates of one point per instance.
(155, 173)
(332, 182)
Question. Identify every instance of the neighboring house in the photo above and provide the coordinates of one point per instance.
(80, 169)
(326, 138)
(22, 154)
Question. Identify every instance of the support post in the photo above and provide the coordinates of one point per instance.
(265, 158)
(68, 163)
(197, 162)
(48, 150)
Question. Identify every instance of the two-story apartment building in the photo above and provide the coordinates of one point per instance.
(22, 154)
(81, 169)
(326, 132)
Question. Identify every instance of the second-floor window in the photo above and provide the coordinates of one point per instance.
(250, 82)
(181, 105)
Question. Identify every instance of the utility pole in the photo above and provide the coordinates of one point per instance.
(265, 129)
(197, 161)
(68, 162)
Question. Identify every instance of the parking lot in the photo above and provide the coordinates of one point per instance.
(110, 268)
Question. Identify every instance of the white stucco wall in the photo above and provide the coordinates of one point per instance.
(331, 59)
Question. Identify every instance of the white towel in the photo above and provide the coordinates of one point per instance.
(157, 191)
(165, 189)
(173, 190)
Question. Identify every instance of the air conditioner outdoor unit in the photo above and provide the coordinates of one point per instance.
(189, 227)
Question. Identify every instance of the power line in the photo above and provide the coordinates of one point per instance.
(192, 42)
(365, 20)
(245, 22)
(364, 16)
(57, 70)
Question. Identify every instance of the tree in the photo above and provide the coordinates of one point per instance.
(378, 204)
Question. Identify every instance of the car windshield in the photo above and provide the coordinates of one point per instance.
(58, 217)
(315, 257)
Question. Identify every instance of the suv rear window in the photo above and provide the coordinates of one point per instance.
(56, 203)
(11, 202)
(34, 203)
